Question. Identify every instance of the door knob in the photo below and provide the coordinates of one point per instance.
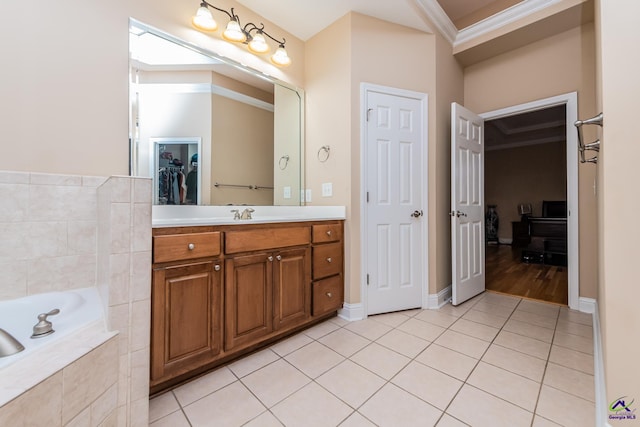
(459, 214)
(417, 214)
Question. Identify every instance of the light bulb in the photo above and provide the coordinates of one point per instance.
(258, 44)
(203, 20)
(280, 57)
(234, 33)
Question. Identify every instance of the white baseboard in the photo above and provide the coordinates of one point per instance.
(598, 368)
(351, 312)
(587, 305)
(435, 301)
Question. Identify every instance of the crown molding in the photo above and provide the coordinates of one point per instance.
(501, 19)
(494, 22)
(440, 19)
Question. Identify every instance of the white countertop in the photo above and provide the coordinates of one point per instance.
(178, 216)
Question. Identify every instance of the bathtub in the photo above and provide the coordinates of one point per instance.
(78, 309)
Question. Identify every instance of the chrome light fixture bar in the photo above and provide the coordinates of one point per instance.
(235, 32)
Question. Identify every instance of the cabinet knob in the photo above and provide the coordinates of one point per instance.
(329, 260)
(191, 246)
(216, 267)
(329, 233)
(270, 258)
(329, 294)
(279, 257)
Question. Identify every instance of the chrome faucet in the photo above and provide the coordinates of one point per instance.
(246, 214)
(44, 327)
(8, 344)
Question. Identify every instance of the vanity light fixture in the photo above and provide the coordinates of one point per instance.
(235, 32)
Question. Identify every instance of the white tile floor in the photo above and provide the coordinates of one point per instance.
(493, 361)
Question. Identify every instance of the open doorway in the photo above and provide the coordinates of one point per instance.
(526, 190)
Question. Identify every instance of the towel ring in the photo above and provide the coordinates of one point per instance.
(323, 153)
(286, 162)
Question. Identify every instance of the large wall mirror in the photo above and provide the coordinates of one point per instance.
(248, 127)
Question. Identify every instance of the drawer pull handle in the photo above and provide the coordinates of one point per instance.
(329, 233)
(191, 246)
(278, 257)
(329, 294)
(270, 258)
(329, 260)
(217, 267)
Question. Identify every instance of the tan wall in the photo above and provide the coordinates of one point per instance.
(241, 154)
(64, 85)
(618, 202)
(449, 88)
(528, 174)
(353, 50)
(556, 65)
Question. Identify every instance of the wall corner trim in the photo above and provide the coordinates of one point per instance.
(588, 305)
(598, 370)
(436, 301)
(351, 312)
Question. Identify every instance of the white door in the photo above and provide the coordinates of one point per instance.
(467, 204)
(394, 211)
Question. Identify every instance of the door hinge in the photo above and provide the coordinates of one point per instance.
(367, 279)
(368, 113)
(367, 197)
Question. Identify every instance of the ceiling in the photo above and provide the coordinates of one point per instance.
(532, 128)
(304, 19)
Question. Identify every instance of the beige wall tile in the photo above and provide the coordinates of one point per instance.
(40, 406)
(104, 405)
(124, 380)
(119, 267)
(120, 228)
(83, 383)
(61, 203)
(83, 419)
(119, 320)
(82, 237)
(141, 239)
(142, 190)
(140, 286)
(13, 177)
(140, 325)
(14, 280)
(15, 202)
(140, 365)
(61, 273)
(55, 179)
(120, 189)
(140, 412)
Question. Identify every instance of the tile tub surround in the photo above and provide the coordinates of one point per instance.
(66, 232)
(405, 369)
(68, 390)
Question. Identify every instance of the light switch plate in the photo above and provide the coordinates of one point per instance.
(307, 196)
(327, 189)
(287, 193)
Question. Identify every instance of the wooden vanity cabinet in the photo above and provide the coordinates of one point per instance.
(222, 291)
(186, 319)
(186, 303)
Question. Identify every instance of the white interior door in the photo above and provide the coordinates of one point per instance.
(467, 204)
(394, 211)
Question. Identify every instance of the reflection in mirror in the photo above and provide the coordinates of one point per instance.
(247, 128)
(175, 167)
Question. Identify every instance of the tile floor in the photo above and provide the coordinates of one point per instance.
(493, 361)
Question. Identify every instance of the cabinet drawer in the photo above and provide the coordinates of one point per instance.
(327, 260)
(327, 295)
(264, 239)
(177, 247)
(326, 233)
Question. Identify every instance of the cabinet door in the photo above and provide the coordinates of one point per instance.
(292, 283)
(186, 318)
(248, 299)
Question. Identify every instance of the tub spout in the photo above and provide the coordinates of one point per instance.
(8, 344)
(44, 327)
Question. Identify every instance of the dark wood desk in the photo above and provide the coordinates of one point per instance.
(548, 241)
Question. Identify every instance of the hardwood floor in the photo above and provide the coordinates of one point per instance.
(507, 274)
